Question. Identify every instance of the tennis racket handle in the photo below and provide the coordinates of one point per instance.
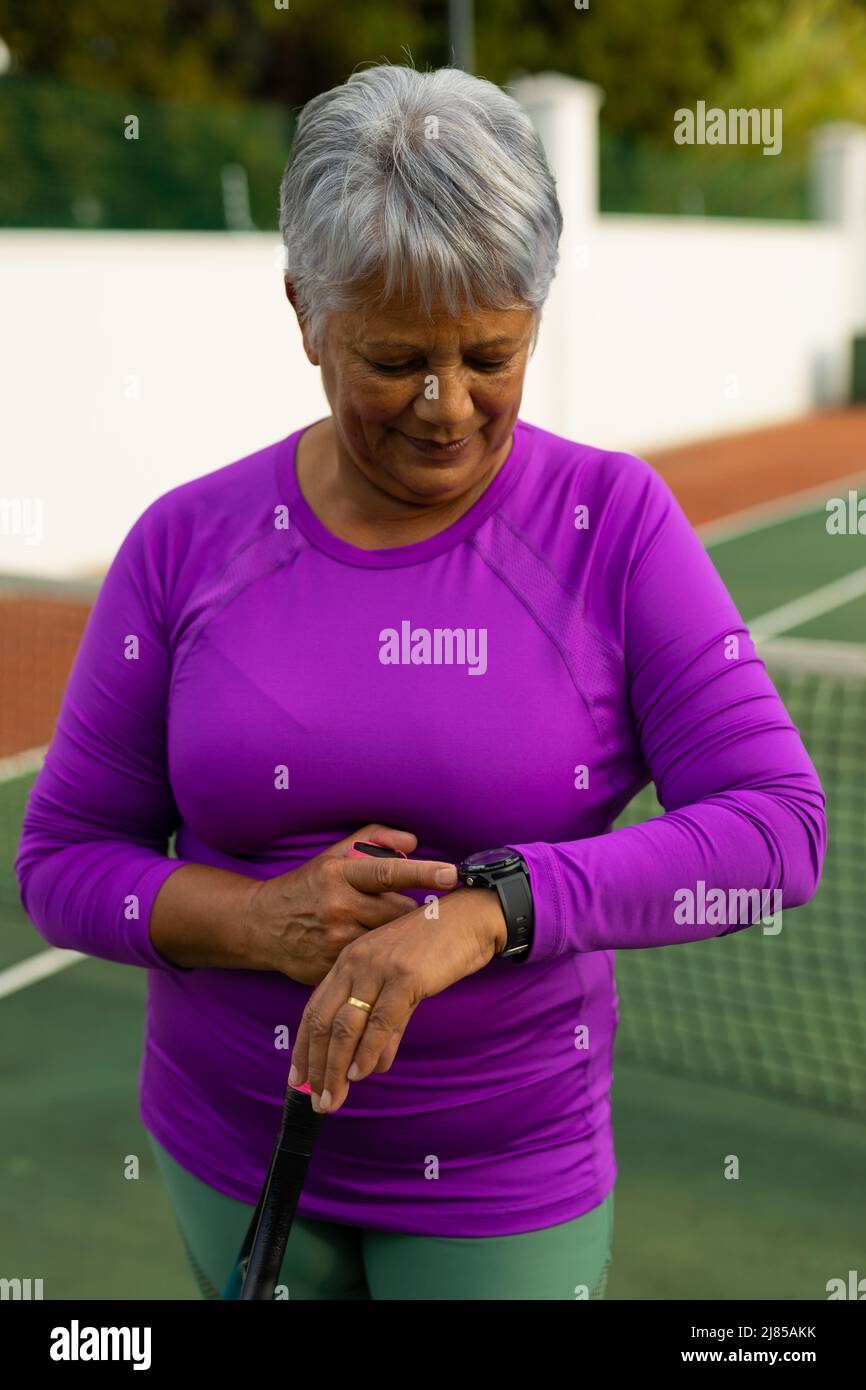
(271, 1224)
(301, 1123)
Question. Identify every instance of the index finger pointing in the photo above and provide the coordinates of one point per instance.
(381, 875)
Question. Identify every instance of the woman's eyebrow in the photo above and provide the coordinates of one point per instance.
(389, 344)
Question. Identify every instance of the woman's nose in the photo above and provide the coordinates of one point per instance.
(445, 400)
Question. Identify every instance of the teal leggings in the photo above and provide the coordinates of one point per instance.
(326, 1260)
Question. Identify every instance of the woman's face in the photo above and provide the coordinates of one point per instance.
(396, 375)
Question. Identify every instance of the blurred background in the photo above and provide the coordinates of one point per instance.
(709, 314)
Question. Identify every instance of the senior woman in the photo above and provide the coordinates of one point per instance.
(423, 621)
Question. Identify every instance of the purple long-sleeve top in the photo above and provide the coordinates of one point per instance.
(265, 688)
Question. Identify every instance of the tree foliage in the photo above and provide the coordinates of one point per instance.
(808, 56)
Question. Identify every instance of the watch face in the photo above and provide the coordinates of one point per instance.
(490, 859)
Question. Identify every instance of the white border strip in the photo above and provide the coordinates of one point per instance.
(816, 656)
(20, 764)
(35, 968)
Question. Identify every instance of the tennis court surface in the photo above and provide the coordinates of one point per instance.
(752, 1045)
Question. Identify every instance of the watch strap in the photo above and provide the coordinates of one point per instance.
(515, 897)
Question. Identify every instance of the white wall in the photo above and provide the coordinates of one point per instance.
(131, 362)
(660, 330)
(664, 329)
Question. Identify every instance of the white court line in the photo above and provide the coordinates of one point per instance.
(803, 610)
(34, 968)
(761, 517)
(44, 963)
(765, 514)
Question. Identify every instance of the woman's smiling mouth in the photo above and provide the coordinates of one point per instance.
(434, 450)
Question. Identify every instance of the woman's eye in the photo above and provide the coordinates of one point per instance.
(392, 368)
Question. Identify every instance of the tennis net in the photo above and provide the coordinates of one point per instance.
(780, 1014)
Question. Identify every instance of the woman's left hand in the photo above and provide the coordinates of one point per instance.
(392, 968)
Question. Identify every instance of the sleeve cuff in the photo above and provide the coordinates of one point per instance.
(548, 934)
(151, 882)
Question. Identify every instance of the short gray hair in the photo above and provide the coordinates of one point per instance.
(437, 179)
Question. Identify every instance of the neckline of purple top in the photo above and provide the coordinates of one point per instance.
(302, 514)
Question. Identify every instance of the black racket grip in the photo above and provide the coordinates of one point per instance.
(299, 1128)
(300, 1123)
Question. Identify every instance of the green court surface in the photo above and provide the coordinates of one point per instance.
(747, 1045)
(777, 564)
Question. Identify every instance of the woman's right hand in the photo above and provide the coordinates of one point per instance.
(300, 921)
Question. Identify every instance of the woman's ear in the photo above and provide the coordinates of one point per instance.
(291, 296)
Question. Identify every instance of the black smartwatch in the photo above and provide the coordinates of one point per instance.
(506, 871)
